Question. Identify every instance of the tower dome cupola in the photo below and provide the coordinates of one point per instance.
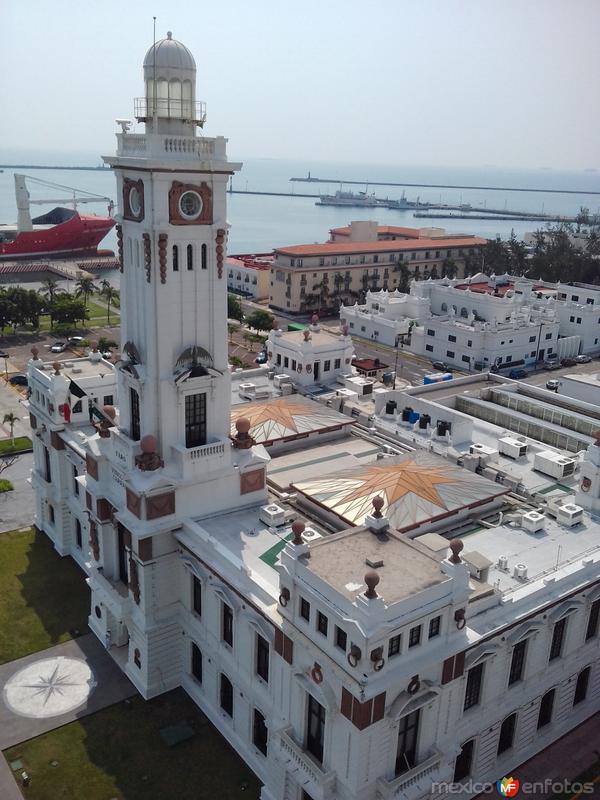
(170, 84)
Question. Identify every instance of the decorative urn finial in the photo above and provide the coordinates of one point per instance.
(371, 579)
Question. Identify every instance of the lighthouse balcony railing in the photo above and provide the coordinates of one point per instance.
(170, 108)
(185, 148)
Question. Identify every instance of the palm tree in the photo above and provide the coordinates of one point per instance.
(111, 295)
(85, 287)
(11, 418)
(50, 288)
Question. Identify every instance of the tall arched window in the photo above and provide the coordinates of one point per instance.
(581, 687)
(546, 707)
(203, 257)
(175, 258)
(507, 733)
(190, 257)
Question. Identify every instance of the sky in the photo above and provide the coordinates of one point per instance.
(431, 82)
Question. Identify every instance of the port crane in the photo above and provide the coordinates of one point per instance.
(24, 200)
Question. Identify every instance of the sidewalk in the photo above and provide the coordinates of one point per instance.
(109, 686)
(567, 758)
(8, 788)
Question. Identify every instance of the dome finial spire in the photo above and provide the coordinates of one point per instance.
(169, 34)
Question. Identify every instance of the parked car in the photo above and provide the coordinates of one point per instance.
(261, 358)
(583, 359)
(75, 341)
(58, 347)
(518, 373)
(568, 362)
(441, 366)
(18, 380)
(552, 385)
(4, 354)
(554, 364)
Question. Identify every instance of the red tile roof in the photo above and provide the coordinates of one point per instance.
(259, 261)
(484, 288)
(347, 248)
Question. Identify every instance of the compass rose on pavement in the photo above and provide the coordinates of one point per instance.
(49, 687)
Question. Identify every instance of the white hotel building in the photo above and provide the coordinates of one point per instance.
(355, 655)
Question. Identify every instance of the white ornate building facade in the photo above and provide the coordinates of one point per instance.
(340, 658)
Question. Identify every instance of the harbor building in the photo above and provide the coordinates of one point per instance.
(248, 275)
(362, 607)
(364, 257)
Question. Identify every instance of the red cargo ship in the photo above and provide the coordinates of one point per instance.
(61, 233)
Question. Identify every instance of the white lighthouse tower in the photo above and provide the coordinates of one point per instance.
(168, 459)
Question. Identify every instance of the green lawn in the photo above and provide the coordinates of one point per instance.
(43, 597)
(22, 444)
(119, 753)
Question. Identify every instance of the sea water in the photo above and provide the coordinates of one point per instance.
(260, 223)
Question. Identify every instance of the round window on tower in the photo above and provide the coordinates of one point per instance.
(190, 205)
(135, 201)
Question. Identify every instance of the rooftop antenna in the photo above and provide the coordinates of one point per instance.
(154, 95)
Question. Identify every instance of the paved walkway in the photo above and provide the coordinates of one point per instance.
(48, 689)
(567, 758)
(8, 788)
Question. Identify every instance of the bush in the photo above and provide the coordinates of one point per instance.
(5, 486)
(63, 329)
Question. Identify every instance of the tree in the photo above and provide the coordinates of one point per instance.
(105, 344)
(7, 461)
(234, 308)
(10, 419)
(67, 309)
(260, 321)
(582, 218)
(449, 268)
(85, 287)
(50, 289)
(111, 295)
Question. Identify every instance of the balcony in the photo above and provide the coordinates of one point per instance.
(114, 593)
(310, 775)
(170, 108)
(205, 459)
(186, 148)
(415, 782)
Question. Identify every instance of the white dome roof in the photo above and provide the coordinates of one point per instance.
(170, 54)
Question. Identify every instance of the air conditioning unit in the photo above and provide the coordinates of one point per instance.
(272, 515)
(502, 563)
(533, 521)
(247, 389)
(553, 464)
(279, 380)
(483, 451)
(286, 388)
(569, 514)
(520, 572)
(310, 534)
(511, 447)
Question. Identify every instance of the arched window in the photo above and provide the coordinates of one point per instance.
(507, 733)
(546, 706)
(175, 258)
(444, 307)
(203, 257)
(463, 312)
(464, 761)
(226, 695)
(190, 257)
(581, 686)
(78, 536)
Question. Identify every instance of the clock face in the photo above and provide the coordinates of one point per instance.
(135, 201)
(190, 205)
